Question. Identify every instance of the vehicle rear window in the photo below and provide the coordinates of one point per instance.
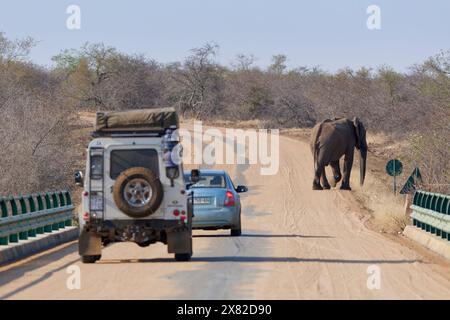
(208, 180)
(122, 160)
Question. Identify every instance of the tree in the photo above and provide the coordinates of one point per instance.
(15, 50)
(278, 65)
(243, 62)
(198, 82)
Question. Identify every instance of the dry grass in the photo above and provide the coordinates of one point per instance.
(387, 210)
(249, 124)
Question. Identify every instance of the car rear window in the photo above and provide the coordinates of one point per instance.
(122, 160)
(208, 180)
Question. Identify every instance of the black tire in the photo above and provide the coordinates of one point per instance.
(90, 259)
(155, 199)
(236, 231)
(143, 244)
(183, 256)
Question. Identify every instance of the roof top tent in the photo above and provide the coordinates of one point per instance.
(140, 122)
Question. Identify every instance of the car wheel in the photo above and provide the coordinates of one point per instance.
(90, 259)
(182, 256)
(236, 232)
(138, 192)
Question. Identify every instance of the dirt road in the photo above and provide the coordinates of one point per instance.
(296, 244)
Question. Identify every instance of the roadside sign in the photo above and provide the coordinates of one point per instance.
(394, 168)
(412, 181)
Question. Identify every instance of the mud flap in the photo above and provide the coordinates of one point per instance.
(89, 244)
(179, 242)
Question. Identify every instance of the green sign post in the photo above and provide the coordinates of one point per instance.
(394, 168)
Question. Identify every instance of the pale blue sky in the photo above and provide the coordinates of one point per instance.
(332, 34)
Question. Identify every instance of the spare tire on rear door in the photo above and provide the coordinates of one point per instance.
(138, 192)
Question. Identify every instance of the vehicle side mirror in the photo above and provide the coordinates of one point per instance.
(240, 189)
(78, 176)
(195, 175)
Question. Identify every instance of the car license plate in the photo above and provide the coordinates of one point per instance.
(202, 201)
(96, 203)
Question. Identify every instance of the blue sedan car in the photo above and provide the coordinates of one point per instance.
(217, 204)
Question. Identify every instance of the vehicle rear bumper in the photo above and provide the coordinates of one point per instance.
(215, 218)
(102, 226)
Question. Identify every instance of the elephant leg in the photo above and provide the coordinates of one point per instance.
(325, 183)
(348, 163)
(336, 172)
(317, 175)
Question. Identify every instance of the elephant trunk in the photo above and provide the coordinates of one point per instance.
(362, 164)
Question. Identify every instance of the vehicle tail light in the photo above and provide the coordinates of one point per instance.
(176, 212)
(183, 212)
(229, 199)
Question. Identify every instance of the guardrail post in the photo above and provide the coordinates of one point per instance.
(55, 225)
(62, 203)
(23, 209)
(40, 207)
(4, 213)
(32, 206)
(13, 237)
(68, 198)
(68, 202)
(48, 205)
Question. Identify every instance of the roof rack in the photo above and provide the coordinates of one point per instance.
(136, 122)
(127, 134)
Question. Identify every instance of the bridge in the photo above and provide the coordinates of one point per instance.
(296, 244)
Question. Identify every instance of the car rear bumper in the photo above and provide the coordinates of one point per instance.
(105, 226)
(215, 218)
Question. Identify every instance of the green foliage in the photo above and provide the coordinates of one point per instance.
(67, 60)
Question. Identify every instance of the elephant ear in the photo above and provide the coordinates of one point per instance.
(358, 129)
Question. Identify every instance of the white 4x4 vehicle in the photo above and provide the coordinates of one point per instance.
(133, 190)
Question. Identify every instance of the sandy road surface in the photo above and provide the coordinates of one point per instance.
(296, 243)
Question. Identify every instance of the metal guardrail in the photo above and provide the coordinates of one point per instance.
(431, 212)
(23, 217)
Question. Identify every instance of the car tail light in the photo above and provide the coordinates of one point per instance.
(183, 213)
(176, 212)
(229, 200)
(183, 218)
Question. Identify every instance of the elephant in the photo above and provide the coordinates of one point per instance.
(330, 140)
